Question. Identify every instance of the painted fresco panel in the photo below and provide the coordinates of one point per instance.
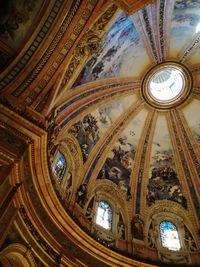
(193, 121)
(163, 177)
(90, 128)
(184, 24)
(122, 53)
(119, 162)
(17, 20)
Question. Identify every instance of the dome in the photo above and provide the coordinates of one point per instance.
(102, 134)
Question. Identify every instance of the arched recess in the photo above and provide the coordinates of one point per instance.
(105, 190)
(17, 255)
(67, 146)
(167, 211)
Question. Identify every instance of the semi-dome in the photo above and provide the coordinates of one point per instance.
(107, 117)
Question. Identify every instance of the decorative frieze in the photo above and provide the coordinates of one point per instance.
(194, 44)
(34, 46)
(49, 50)
(149, 32)
(50, 251)
(142, 164)
(89, 44)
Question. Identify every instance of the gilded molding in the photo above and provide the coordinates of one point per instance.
(98, 86)
(161, 28)
(131, 7)
(22, 252)
(70, 148)
(178, 165)
(141, 169)
(89, 44)
(49, 50)
(174, 102)
(40, 123)
(20, 65)
(17, 133)
(140, 26)
(86, 107)
(190, 49)
(196, 91)
(188, 143)
(189, 215)
(166, 208)
(85, 48)
(50, 251)
(99, 188)
(185, 166)
(143, 184)
(149, 32)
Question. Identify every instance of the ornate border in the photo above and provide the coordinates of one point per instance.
(174, 103)
(34, 46)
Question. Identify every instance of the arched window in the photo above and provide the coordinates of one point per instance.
(59, 166)
(169, 236)
(104, 215)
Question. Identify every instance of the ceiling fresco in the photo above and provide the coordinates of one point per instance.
(185, 24)
(163, 178)
(89, 129)
(103, 138)
(128, 142)
(119, 163)
(193, 121)
(122, 53)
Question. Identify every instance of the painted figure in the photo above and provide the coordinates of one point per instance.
(137, 227)
(81, 194)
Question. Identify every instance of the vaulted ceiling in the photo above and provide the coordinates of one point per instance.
(72, 75)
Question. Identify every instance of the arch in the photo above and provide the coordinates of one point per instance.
(17, 255)
(173, 212)
(106, 190)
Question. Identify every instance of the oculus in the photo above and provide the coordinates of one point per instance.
(167, 85)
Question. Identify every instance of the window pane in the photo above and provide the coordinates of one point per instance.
(104, 215)
(169, 236)
(59, 166)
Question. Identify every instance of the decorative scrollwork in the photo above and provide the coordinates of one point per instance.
(89, 44)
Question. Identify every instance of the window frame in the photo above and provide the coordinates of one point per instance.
(177, 230)
(58, 155)
(96, 214)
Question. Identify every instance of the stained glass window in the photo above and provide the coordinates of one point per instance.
(169, 236)
(59, 166)
(104, 215)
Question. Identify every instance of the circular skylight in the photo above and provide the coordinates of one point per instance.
(167, 85)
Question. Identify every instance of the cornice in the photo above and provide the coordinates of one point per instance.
(130, 6)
